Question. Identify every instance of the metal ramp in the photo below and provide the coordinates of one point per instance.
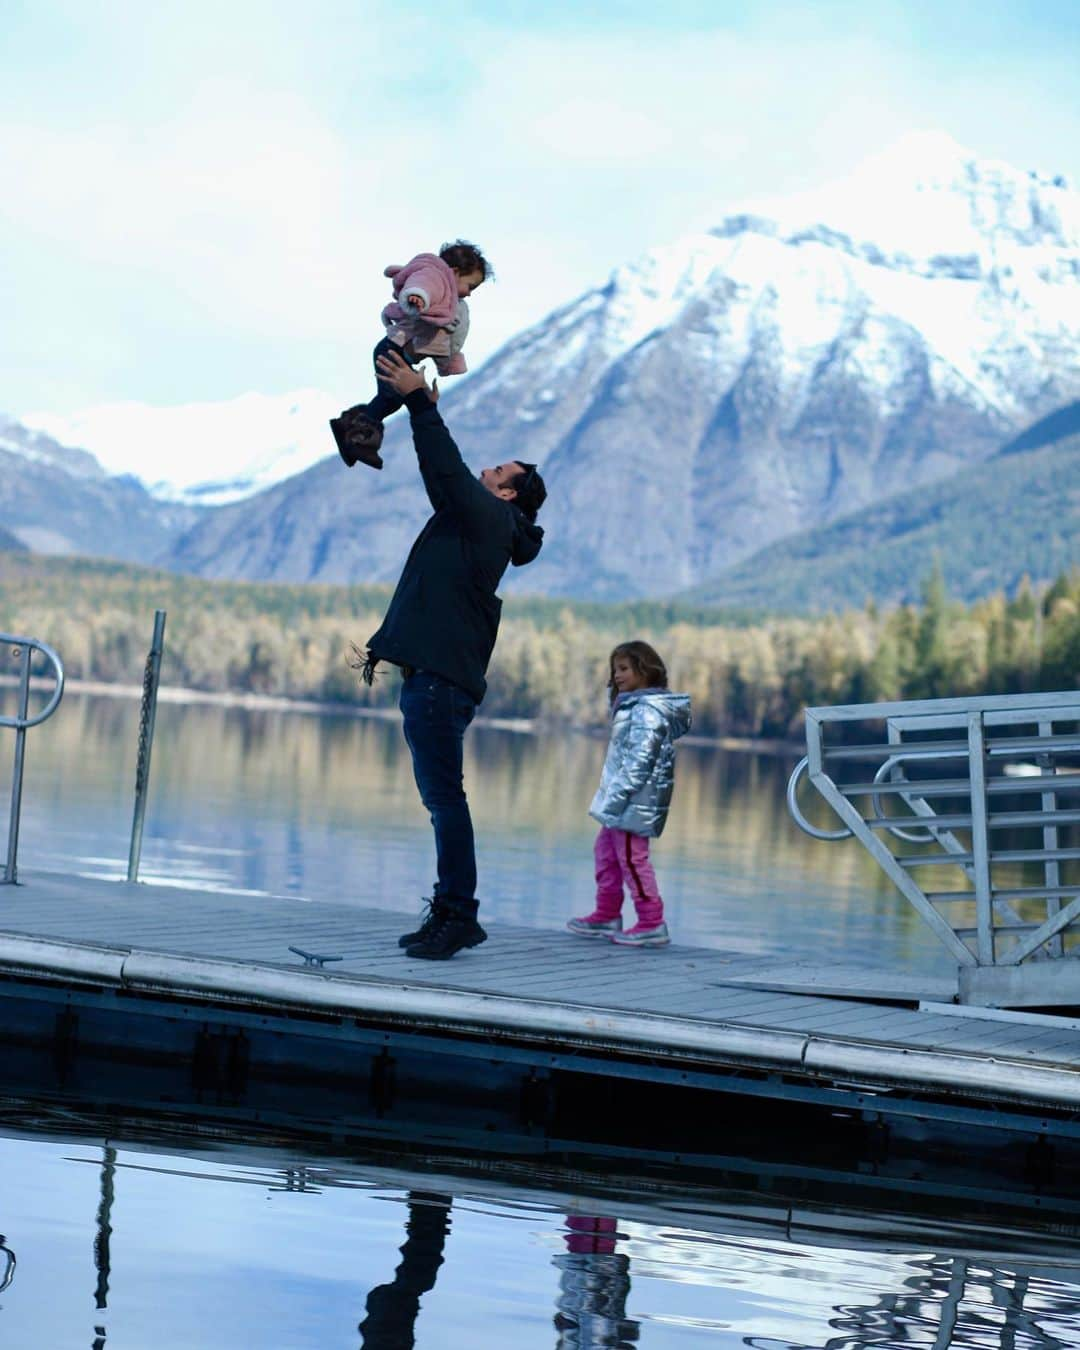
(971, 806)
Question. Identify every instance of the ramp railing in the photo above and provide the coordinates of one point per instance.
(22, 649)
(971, 807)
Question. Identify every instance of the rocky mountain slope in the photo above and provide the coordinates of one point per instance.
(803, 360)
(9, 543)
(1014, 515)
(201, 454)
(800, 362)
(54, 499)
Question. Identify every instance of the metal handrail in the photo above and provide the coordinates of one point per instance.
(814, 831)
(1032, 729)
(22, 721)
(897, 831)
(26, 646)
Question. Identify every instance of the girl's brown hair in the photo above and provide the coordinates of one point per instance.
(644, 659)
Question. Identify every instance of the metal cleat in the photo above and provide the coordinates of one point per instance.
(311, 959)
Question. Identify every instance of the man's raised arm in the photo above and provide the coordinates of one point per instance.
(446, 475)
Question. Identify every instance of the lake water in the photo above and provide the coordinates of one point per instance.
(120, 1242)
(284, 803)
(127, 1238)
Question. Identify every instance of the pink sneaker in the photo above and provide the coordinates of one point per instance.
(595, 925)
(643, 935)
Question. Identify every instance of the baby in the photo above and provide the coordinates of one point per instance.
(428, 317)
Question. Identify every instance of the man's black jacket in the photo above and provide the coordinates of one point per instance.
(444, 614)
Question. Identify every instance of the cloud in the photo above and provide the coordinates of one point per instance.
(243, 210)
(228, 204)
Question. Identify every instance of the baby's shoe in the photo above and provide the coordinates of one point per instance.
(595, 925)
(358, 437)
(643, 935)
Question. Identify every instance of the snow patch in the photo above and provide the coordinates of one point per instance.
(203, 453)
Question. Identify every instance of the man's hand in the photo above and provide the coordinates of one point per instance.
(401, 377)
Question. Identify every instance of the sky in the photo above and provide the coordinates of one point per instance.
(197, 200)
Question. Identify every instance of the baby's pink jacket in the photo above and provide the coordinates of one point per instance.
(428, 277)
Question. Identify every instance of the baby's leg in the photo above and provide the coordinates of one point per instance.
(358, 432)
(387, 400)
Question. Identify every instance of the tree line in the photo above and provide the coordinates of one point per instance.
(748, 674)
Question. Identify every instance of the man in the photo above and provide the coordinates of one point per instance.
(440, 629)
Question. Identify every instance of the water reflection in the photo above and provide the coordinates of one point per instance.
(285, 803)
(104, 1227)
(594, 1282)
(222, 1245)
(946, 1302)
(390, 1320)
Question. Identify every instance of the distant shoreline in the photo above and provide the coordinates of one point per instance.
(522, 726)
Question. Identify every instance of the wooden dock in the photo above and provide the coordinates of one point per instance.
(154, 999)
(679, 1002)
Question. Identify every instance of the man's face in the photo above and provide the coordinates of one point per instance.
(498, 479)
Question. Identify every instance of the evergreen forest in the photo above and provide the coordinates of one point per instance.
(750, 674)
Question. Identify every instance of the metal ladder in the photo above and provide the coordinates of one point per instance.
(982, 796)
(22, 650)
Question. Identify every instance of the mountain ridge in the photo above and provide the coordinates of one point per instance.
(800, 362)
(56, 499)
(988, 528)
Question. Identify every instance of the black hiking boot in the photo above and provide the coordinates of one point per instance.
(434, 914)
(447, 940)
(358, 438)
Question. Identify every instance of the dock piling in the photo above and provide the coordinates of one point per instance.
(151, 677)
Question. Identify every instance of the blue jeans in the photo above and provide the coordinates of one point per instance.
(436, 714)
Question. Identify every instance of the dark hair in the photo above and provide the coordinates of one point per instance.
(530, 489)
(466, 258)
(645, 660)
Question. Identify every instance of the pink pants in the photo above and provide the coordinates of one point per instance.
(589, 1234)
(622, 859)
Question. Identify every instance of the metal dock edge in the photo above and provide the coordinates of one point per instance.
(714, 1044)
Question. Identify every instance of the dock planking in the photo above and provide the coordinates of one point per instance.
(674, 1005)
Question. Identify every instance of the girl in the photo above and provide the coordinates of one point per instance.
(632, 800)
(428, 316)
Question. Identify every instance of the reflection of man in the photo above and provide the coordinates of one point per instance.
(440, 629)
(593, 1284)
(391, 1308)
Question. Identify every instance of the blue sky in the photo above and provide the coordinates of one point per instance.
(198, 199)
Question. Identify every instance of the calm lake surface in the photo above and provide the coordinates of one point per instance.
(134, 1244)
(120, 1237)
(291, 804)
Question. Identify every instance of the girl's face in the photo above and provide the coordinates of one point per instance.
(625, 676)
(467, 282)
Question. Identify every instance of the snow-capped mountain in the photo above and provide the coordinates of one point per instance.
(204, 454)
(803, 359)
(54, 499)
(19, 442)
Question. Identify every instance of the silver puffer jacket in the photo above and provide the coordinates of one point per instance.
(639, 771)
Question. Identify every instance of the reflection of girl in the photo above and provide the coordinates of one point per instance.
(632, 801)
(593, 1285)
